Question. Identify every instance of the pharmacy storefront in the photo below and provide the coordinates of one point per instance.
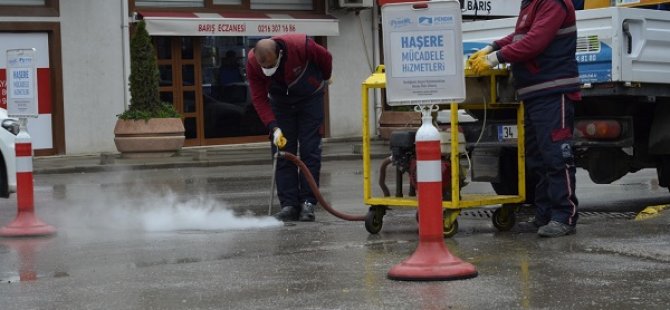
(201, 59)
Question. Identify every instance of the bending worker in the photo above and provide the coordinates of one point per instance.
(542, 55)
(288, 75)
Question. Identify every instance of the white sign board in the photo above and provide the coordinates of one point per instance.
(423, 53)
(21, 83)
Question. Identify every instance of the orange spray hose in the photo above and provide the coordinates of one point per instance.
(315, 189)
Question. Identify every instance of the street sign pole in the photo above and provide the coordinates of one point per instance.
(424, 67)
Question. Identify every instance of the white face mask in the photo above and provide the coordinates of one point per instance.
(271, 71)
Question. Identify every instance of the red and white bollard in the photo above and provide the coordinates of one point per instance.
(431, 261)
(26, 223)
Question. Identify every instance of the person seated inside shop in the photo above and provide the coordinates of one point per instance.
(228, 111)
(231, 83)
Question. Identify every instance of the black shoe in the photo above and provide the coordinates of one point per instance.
(556, 229)
(287, 214)
(531, 226)
(307, 212)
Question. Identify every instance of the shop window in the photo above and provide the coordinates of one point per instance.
(186, 48)
(166, 96)
(23, 2)
(188, 75)
(171, 3)
(228, 110)
(165, 72)
(227, 2)
(189, 102)
(190, 127)
(164, 47)
(302, 5)
(29, 7)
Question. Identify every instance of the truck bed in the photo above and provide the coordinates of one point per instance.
(622, 45)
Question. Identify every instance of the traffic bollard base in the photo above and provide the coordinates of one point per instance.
(432, 262)
(27, 224)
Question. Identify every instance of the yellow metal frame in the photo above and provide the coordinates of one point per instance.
(597, 4)
(378, 80)
(642, 3)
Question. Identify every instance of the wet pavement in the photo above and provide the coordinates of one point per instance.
(124, 242)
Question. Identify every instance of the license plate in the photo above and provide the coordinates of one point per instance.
(506, 133)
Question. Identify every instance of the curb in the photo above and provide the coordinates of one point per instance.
(111, 167)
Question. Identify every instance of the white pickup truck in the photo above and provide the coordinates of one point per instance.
(623, 123)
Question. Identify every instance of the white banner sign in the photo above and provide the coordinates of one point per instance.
(490, 7)
(21, 83)
(423, 52)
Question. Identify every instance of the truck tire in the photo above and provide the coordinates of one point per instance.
(4, 180)
(509, 177)
(663, 170)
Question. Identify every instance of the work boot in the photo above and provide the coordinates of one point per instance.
(556, 229)
(530, 226)
(287, 214)
(307, 212)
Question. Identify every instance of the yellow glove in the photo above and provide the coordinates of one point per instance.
(484, 63)
(278, 138)
(482, 52)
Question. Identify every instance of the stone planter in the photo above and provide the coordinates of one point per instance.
(157, 137)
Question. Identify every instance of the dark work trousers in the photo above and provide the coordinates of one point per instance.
(300, 123)
(549, 124)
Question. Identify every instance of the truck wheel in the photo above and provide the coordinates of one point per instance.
(509, 177)
(4, 180)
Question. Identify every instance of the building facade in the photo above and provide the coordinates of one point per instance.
(83, 63)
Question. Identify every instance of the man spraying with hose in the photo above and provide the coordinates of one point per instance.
(287, 75)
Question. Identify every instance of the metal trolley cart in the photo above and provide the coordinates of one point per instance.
(503, 217)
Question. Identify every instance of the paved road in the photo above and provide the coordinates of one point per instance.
(197, 238)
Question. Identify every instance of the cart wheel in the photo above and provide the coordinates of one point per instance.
(504, 218)
(374, 219)
(450, 229)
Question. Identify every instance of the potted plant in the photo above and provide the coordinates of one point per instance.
(149, 128)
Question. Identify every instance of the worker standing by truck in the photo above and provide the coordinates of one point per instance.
(541, 51)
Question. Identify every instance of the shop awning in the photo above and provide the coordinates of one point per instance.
(238, 24)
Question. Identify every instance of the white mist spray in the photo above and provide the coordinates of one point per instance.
(199, 214)
(152, 210)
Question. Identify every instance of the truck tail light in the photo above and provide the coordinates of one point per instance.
(598, 129)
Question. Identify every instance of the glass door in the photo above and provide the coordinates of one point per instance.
(229, 115)
(204, 78)
(179, 67)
